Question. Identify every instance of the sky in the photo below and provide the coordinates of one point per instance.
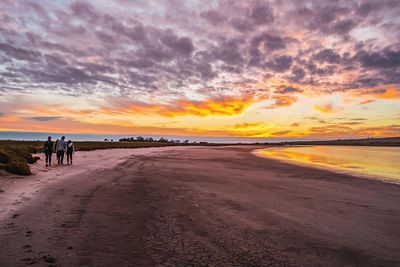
(309, 69)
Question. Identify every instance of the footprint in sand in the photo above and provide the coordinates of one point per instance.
(27, 248)
(29, 261)
(49, 259)
(29, 233)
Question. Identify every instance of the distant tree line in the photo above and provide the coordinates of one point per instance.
(151, 139)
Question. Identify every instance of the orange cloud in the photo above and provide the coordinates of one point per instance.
(325, 108)
(353, 131)
(227, 106)
(66, 126)
(249, 125)
(223, 106)
(256, 129)
(5, 119)
(384, 93)
(283, 101)
(248, 129)
(366, 101)
(389, 93)
(280, 133)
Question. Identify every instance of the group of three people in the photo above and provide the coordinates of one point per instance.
(60, 148)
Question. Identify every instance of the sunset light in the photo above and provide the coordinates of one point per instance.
(289, 69)
(199, 133)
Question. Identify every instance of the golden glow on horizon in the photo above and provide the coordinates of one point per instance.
(226, 68)
(372, 161)
(297, 114)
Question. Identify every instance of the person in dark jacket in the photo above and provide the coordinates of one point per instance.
(70, 151)
(55, 149)
(48, 150)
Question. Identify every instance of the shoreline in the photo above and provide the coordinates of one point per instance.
(158, 206)
(325, 168)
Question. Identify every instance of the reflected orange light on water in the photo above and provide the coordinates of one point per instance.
(376, 162)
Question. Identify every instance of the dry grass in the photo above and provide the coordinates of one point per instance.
(15, 156)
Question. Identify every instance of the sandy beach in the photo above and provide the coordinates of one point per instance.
(195, 206)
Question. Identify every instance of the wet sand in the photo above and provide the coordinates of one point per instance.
(195, 206)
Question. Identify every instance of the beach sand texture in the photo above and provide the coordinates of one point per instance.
(195, 206)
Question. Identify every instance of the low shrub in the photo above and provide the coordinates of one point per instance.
(5, 157)
(15, 158)
(33, 149)
(18, 167)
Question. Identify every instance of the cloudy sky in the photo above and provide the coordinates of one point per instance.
(327, 69)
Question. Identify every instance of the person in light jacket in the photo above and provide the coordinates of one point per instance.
(61, 146)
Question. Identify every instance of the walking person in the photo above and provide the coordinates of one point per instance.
(70, 151)
(55, 149)
(61, 146)
(48, 150)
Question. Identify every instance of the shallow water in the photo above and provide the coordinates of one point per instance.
(381, 163)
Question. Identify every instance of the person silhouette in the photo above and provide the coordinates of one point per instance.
(70, 151)
(48, 150)
(61, 146)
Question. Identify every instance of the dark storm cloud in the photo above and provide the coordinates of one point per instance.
(105, 37)
(229, 51)
(213, 17)
(328, 56)
(135, 33)
(344, 26)
(280, 64)
(297, 74)
(331, 19)
(94, 46)
(139, 79)
(67, 75)
(288, 90)
(386, 58)
(45, 118)
(367, 81)
(84, 10)
(262, 14)
(269, 41)
(242, 25)
(18, 53)
(257, 15)
(182, 45)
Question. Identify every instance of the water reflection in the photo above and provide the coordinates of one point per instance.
(378, 162)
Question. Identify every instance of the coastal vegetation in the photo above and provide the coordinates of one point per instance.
(151, 139)
(15, 156)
